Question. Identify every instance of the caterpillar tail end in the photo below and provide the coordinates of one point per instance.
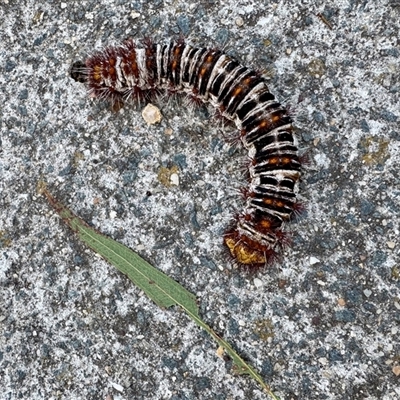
(245, 254)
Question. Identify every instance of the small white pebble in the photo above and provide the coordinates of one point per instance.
(367, 292)
(151, 114)
(135, 15)
(242, 323)
(397, 305)
(239, 21)
(174, 179)
(113, 214)
(258, 283)
(63, 5)
(314, 260)
(391, 245)
(118, 387)
(321, 283)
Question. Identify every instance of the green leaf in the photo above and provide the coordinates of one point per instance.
(164, 291)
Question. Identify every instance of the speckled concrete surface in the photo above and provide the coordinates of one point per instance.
(322, 324)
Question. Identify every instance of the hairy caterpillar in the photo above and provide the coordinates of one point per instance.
(126, 72)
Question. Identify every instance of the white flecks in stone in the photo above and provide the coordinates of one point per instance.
(258, 283)
(314, 260)
(113, 214)
(323, 360)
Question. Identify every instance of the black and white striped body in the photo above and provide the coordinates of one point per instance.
(242, 96)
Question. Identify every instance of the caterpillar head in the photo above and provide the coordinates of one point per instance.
(78, 72)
